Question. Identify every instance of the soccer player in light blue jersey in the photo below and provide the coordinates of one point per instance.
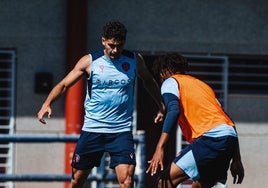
(111, 75)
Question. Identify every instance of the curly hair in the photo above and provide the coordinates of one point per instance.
(172, 63)
(116, 30)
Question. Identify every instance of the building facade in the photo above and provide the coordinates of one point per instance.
(36, 35)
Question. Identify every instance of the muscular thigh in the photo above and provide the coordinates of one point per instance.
(121, 149)
(124, 170)
(88, 152)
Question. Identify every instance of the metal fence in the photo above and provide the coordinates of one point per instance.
(100, 177)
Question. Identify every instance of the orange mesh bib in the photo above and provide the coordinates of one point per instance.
(199, 109)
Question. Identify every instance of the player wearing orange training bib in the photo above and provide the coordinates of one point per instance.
(191, 104)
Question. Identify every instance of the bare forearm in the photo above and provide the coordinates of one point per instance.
(162, 141)
(56, 92)
(237, 155)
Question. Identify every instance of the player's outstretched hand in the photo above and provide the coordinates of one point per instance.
(156, 162)
(237, 171)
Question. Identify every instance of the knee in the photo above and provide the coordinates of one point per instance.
(171, 177)
(77, 182)
(196, 184)
(164, 182)
(79, 177)
(125, 175)
(126, 181)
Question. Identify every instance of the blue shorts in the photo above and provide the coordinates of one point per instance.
(207, 159)
(91, 147)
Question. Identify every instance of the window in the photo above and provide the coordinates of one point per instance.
(248, 75)
(7, 98)
(211, 69)
(214, 71)
(7, 86)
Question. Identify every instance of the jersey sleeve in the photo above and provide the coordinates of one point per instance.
(170, 94)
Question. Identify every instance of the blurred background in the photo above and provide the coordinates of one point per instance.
(226, 43)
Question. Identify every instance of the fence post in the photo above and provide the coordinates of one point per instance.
(141, 158)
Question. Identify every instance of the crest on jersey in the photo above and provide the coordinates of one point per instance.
(125, 66)
(101, 67)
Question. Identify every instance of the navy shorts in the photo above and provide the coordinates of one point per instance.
(207, 159)
(91, 147)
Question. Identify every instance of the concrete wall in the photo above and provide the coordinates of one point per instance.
(36, 29)
(250, 115)
(186, 26)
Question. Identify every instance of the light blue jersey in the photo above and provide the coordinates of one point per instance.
(110, 92)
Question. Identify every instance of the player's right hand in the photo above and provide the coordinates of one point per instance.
(44, 110)
(156, 162)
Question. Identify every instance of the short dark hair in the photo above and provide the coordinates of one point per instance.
(170, 62)
(116, 30)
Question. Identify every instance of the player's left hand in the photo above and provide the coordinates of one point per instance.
(237, 171)
(159, 117)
